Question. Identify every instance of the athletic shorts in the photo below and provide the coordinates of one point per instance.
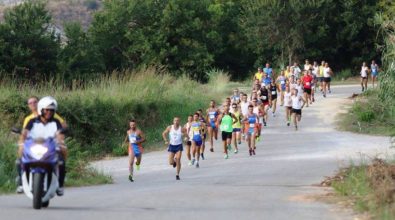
(297, 111)
(251, 131)
(274, 97)
(175, 148)
(136, 149)
(189, 143)
(327, 79)
(226, 135)
(364, 77)
(375, 73)
(236, 129)
(212, 125)
(321, 79)
(308, 91)
(265, 103)
(288, 108)
(198, 142)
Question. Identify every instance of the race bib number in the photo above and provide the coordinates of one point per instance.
(212, 116)
(264, 97)
(252, 125)
(307, 83)
(274, 92)
(133, 140)
(225, 127)
(196, 131)
(282, 82)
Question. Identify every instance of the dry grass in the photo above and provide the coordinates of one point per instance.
(369, 188)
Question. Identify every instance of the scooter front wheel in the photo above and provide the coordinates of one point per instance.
(38, 182)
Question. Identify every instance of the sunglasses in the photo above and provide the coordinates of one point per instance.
(49, 110)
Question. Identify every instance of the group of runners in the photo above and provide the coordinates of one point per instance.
(365, 70)
(241, 117)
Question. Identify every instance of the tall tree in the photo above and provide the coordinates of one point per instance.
(29, 42)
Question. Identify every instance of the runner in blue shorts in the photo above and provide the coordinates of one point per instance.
(175, 134)
(197, 140)
(136, 137)
(252, 120)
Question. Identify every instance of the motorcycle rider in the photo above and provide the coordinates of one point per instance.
(32, 105)
(45, 126)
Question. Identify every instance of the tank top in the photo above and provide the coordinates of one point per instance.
(175, 136)
(252, 120)
(237, 123)
(273, 90)
(226, 123)
(287, 99)
(374, 68)
(296, 103)
(244, 107)
(189, 130)
(133, 138)
(264, 95)
(195, 127)
(364, 71)
(326, 72)
(212, 115)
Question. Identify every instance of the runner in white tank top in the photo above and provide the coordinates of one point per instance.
(175, 133)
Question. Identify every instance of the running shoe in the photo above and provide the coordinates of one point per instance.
(202, 155)
(239, 142)
(211, 149)
(193, 161)
(330, 91)
(264, 123)
(258, 138)
(177, 177)
(288, 124)
(273, 114)
(174, 164)
(324, 96)
(296, 127)
(131, 178)
(229, 147)
(236, 151)
(253, 152)
(226, 156)
(190, 163)
(197, 164)
(137, 167)
(250, 152)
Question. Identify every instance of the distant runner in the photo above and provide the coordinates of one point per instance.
(307, 81)
(281, 82)
(187, 127)
(212, 127)
(226, 125)
(136, 137)
(197, 140)
(297, 105)
(251, 119)
(364, 76)
(288, 104)
(374, 68)
(236, 135)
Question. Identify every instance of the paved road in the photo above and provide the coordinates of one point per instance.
(261, 187)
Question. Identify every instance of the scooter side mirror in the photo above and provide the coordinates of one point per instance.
(16, 130)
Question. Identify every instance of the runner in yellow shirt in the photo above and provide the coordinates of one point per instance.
(32, 104)
(258, 75)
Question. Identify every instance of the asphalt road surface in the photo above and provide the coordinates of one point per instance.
(265, 186)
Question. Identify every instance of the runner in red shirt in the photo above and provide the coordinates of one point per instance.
(307, 81)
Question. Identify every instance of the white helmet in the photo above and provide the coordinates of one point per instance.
(48, 102)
